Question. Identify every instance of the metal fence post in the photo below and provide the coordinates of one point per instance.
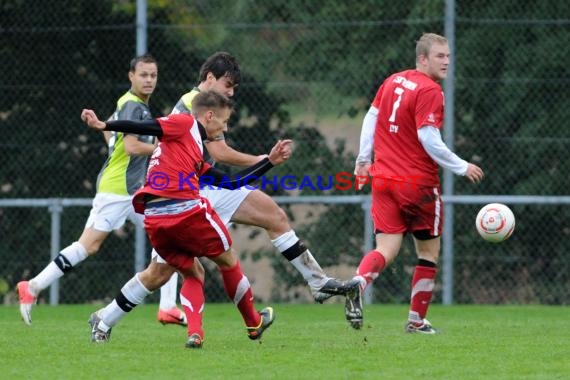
(369, 242)
(140, 248)
(449, 132)
(142, 26)
(56, 210)
(447, 255)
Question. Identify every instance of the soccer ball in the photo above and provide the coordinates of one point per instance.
(495, 222)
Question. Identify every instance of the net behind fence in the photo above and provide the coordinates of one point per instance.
(310, 71)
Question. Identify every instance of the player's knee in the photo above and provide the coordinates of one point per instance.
(149, 281)
(197, 271)
(429, 256)
(158, 273)
(164, 272)
(93, 248)
(281, 217)
(278, 221)
(92, 240)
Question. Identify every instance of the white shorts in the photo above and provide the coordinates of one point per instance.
(110, 211)
(225, 201)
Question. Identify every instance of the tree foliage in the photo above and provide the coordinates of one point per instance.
(298, 58)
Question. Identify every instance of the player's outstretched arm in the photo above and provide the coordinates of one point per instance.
(221, 152)
(279, 154)
(147, 127)
(91, 119)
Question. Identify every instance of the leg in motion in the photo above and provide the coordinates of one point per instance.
(423, 283)
(68, 258)
(239, 290)
(102, 321)
(370, 267)
(259, 209)
(168, 312)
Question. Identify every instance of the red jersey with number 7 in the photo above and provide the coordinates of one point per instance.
(406, 101)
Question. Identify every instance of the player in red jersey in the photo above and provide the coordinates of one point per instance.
(180, 223)
(403, 126)
(244, 205)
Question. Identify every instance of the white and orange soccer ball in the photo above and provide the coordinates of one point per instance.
(495, 222)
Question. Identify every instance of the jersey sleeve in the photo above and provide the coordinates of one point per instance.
(429, 108)
(181, 107)
(174, 126)
(132, 111)
(376, 101)
(184, 104)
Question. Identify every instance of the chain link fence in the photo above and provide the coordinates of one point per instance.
(310, 71)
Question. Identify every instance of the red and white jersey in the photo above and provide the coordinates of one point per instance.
(177, 162)
(406, 101)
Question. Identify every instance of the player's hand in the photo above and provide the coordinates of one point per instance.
(287, 148)
(361, 175)
(281, 152)
(90, 118)
(474, 173)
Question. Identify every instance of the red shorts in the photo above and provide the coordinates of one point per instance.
(198, 232)
(406, 207)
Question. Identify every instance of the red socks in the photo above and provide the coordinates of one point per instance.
(371, 265)
(423, 283)
(192, 300)
(239, 290)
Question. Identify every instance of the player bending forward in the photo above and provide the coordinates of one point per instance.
(180, 223)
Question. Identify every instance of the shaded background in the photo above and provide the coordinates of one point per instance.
(310, 73)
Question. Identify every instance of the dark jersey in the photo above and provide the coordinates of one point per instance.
(123, 174)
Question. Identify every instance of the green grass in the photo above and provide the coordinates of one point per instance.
(305, 342)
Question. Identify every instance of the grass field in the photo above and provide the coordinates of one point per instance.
(305, 342)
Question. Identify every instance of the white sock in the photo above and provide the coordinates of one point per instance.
(168, 293)
(134, 292)
(362, 281)
(414, 317)
(311, 270)
(304, 263)
(75, 253)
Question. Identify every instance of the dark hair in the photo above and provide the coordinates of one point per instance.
(221, 64)
(208, 100)
(146, 58)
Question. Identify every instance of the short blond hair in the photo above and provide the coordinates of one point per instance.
(210, 101)
(424, 44)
